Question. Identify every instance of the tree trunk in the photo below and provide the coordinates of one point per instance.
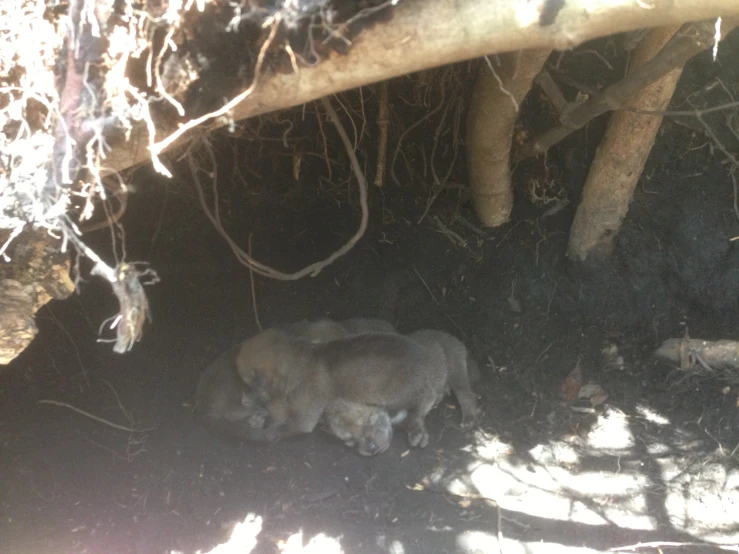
(619, 161)
(492, 114)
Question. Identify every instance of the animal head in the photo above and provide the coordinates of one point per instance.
(376, 433)
(262, 363)
(369, 428)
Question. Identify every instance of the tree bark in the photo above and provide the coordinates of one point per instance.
(493, 112)
(36, 273)
(428, 33)
(619, 161)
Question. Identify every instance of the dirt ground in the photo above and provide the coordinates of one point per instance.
(657, 463)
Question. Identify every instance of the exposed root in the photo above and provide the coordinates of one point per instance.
(383, 124)
(687, 42)
(244, 257)
(96, 418)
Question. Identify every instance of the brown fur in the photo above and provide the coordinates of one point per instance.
(456, 359)
(326, 330)
(223, 401)
(370, 429)
(228, 407)
(297, 381)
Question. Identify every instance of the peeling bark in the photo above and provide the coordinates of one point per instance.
(493, 112)
(619, 161)
(37, 273)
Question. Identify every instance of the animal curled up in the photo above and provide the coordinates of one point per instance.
(296, 380)
(229, 408)
(307, 371)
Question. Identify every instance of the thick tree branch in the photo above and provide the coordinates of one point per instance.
(427, 33)
(689, 41)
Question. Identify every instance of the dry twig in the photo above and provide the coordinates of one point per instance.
(95, 418)
(383, 124)
(690, 40)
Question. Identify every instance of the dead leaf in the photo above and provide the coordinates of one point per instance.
(571, 385)
(594, 393)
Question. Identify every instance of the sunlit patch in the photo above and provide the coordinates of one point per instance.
(706, 503)
(527, 13)
(516, 547)
(554, 453)
(611, 431)
(652, 416)
(318, 544)
(396, 547)
(243, 538)
(488, 446)
(477, 541)
(593, 498)
(658, 449)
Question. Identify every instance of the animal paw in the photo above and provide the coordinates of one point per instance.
(467, 423)
(418, 437)
(258, 419)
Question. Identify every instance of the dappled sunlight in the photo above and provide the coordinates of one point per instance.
(245, 537)
(652, 416)
(474, 542)
(488, 447)
(611, 431)
(707, 504)
(539, 491)
(319, 544)
(570, 480)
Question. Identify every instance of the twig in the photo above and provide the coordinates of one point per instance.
(118, 400)
(546, 83)
(686, 43)
(158, 147)
(382, 123)
(444, 230)
(425, 285)
(253, 292)
(500, 85)
(96, 418)
(325, 143)
(416, 124)
(466, 223)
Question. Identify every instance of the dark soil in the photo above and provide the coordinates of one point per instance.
(529, 315)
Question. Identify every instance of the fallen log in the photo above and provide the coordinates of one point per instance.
(718, 358)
